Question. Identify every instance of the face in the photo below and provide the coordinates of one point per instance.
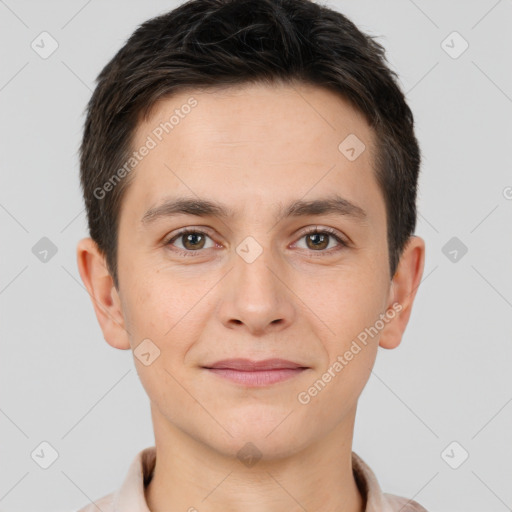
(288, 259)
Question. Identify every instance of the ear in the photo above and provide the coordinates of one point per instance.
(104, 296)
(403, 290)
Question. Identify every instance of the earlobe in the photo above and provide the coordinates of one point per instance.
(404, 286)
(104, 296)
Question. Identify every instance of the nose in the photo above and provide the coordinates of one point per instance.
(256, 296)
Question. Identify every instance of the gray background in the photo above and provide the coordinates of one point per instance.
(450, 379)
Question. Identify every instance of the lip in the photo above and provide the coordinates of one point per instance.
(248, 365)
(256, 373)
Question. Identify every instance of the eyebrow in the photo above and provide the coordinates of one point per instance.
(203, 208)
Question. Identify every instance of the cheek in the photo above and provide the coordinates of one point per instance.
(347, 300)
(349, 306)
(170, 313)
(154, 302)
(160, 312)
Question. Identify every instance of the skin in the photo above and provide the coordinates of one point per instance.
(253, 148)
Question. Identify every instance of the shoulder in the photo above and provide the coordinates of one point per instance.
(399, 503)
(105, 504)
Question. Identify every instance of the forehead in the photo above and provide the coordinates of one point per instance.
(256, 113)
(246, 142)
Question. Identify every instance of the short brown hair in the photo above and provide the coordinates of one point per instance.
(208, 43)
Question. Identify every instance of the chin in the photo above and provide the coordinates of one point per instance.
(267, 435)
(250, 449)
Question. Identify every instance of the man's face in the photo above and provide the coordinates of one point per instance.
(254, 285)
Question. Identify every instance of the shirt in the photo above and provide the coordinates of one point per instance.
(130, 496)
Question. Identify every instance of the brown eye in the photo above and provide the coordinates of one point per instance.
(193, 241)
(317, 240)
(189, 240)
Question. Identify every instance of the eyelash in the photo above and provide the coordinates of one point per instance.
(329, 231)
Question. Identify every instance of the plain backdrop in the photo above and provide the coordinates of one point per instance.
(449, 381)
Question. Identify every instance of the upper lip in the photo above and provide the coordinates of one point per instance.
(250, 365)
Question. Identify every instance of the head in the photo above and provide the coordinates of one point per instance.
(253, 124)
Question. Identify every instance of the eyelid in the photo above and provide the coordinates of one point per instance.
(324, 229)
(186, 230)
(342, 240)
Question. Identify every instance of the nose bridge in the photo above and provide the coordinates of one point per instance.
(253, 267)
(257, 297)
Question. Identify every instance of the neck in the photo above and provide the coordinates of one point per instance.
(191, 476)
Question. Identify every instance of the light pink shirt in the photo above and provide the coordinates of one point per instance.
(130, 496)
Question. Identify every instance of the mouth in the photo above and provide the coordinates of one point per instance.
(256, 373)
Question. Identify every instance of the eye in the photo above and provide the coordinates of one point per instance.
(191, 240)
(318, 240)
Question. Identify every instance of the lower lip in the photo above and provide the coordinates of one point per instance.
(257, 378)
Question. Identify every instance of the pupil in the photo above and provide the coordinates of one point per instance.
(318, 242)
(191, 238)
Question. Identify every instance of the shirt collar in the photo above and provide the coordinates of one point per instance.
(130, 496)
